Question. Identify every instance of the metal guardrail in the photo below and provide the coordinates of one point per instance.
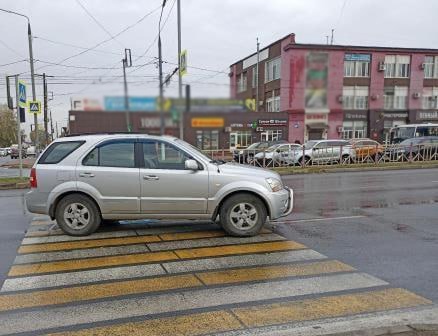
(341, 155)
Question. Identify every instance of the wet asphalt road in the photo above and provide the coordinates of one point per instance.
(383, 223)
(14, 220)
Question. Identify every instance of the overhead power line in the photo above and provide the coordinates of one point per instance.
(97, 22)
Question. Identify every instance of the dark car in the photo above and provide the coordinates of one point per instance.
(419, 149)
(14, 152)
(246, 155)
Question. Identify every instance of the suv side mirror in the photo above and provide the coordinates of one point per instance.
(191, 165)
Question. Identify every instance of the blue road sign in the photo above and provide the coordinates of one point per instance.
(22, 94)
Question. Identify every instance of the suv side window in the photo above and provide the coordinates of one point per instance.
(58, 151)
(320, 145)
(161, 155)
(114, 154)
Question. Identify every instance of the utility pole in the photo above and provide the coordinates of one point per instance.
(32, 73)
(257, 75)
(51, 126)
(181, 116)
(57, 135)
(127, 63)
(160, 72)
(17, 102)
(46, 130)
(331, 40)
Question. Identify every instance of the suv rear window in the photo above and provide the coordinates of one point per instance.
(58, 151)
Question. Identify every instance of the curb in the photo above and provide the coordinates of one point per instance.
(354, 169)
(402, 330)
(18, 185)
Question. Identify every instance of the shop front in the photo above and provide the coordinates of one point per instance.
(230, 131)
(381, 123)
(316, 126)
(355, 125)
(424, 117)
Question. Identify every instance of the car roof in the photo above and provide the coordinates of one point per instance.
(97, 137)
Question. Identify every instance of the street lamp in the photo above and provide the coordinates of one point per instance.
(32, 72)
(160, 71)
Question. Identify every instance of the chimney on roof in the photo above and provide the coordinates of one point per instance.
(292, 38)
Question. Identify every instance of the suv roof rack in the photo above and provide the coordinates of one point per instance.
(103, 133)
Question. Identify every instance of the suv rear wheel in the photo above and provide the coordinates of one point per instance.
(243, 215)
(77, 215)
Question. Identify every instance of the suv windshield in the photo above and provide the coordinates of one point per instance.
(187, 145)
(310, 144)
(253, 146)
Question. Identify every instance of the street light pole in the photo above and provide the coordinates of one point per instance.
(181, 116)
(160, 72)
(127, 63)
(17, 100)
(32, 72)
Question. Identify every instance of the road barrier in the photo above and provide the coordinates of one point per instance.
(340, 155)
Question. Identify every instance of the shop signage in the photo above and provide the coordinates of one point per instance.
(208, 122)
(318, 117)
(155, 122)
(316, 80)
(355, 116)
(399, 115)
(211, 105)
(357, 57)
(272, 122)
(239, 125)
(427, 115)
(135, 103)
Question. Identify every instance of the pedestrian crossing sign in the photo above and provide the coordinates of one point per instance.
(35, 107)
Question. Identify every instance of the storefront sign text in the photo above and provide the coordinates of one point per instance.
(208, 122)
(400, 115)
(272, 122)
(429, 115)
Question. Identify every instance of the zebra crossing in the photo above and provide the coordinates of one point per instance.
(190, 279)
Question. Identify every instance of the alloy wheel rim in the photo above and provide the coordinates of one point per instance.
(76, 216)
(244, 216)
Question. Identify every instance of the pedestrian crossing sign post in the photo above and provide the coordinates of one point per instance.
(22, 94)
(183, 63)
(35, 107)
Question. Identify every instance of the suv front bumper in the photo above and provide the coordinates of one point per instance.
(283, 203)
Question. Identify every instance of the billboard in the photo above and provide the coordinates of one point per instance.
(117, 103)
(316, 80)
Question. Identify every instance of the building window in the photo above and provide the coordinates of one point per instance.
(397, 66)
(355, 97)
(241, 82)
(395, 98)
(273, 104)
(431, 67)
(207, 140)
(354, 129)
(240, 139)
(272, 69)
(271, 135)
(254, 77)
(430, 98)
(357, 65)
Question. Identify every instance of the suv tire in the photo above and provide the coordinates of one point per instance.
(77, 215)
(242, 215)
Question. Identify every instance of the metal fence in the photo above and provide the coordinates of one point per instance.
(341, 155)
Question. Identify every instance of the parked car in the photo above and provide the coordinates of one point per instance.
(277, 154)
(246, 155)
(15, 153)
(323, 152)
(8, 150)
(421, 148)
(366, 149)
(30, 151)
(81, 181)
(3, 152)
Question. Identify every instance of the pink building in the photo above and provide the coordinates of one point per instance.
(334, 91)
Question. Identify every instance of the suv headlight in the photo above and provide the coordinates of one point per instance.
(276, 185)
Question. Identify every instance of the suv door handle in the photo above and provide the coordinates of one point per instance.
(86, 174)
(150, 177)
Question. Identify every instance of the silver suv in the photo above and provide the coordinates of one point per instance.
(85, 180)
(323, 152)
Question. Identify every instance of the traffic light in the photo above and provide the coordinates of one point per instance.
(22, 115)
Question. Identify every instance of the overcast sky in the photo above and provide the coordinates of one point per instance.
(215, 33)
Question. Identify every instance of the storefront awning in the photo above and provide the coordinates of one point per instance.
(317, 126)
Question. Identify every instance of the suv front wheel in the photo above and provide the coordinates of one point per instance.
(77, 215)
(243, 215)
